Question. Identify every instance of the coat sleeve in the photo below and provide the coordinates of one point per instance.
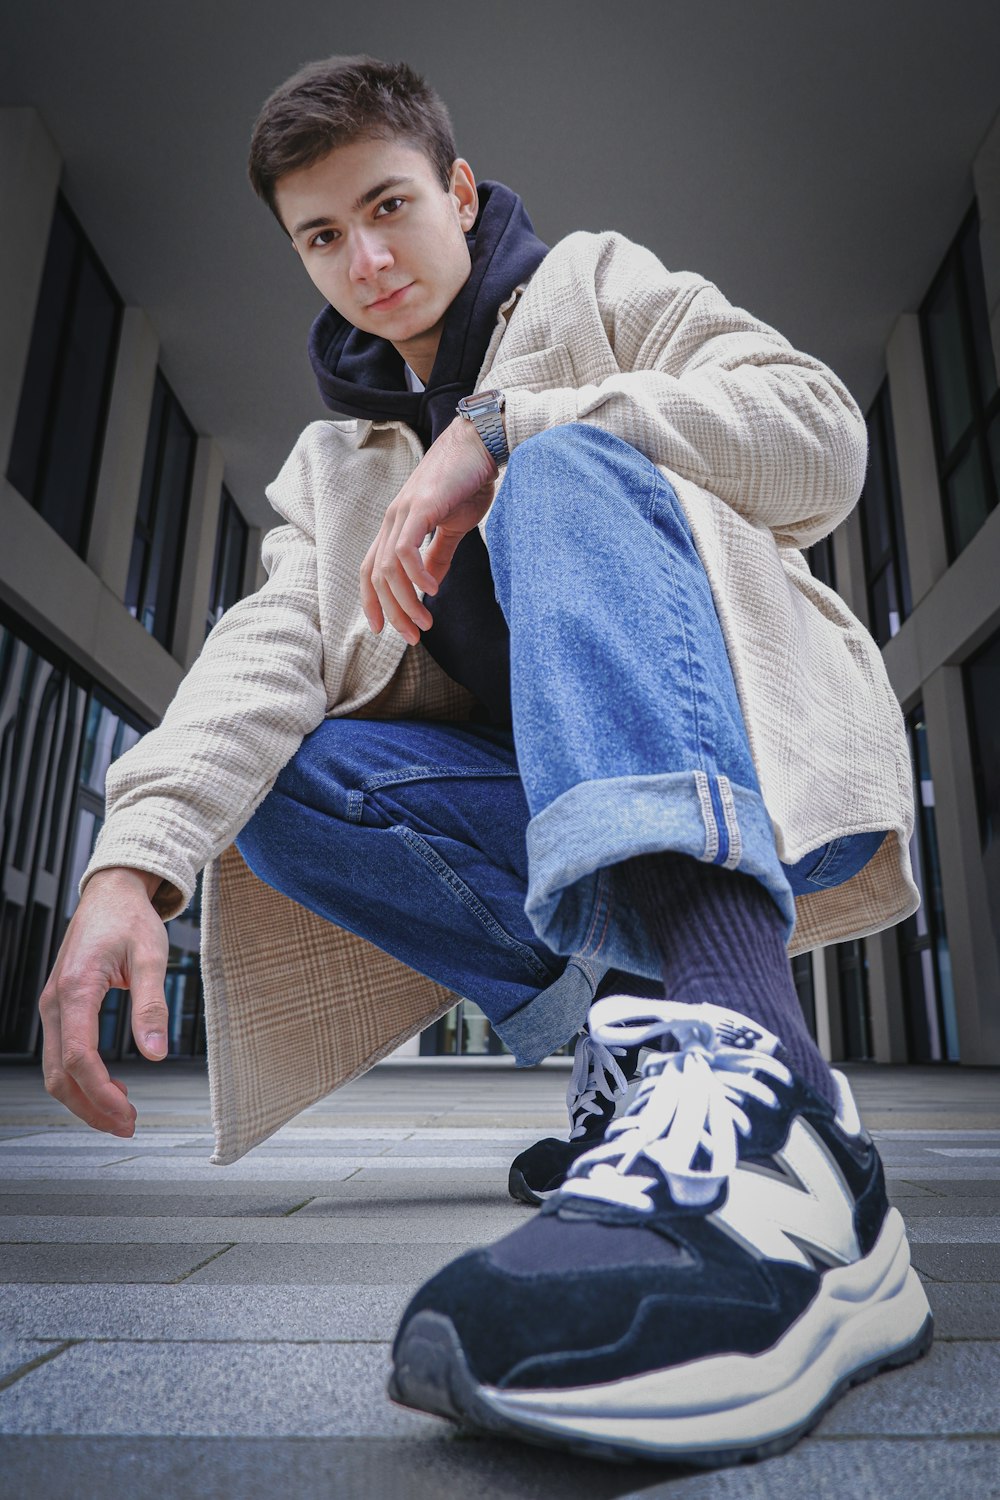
(181, 795)
(708, 392)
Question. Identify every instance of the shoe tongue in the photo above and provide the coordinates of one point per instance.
(714, 1025)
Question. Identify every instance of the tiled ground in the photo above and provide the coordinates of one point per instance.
(170, 1328)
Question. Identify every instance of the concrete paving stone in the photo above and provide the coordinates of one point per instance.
(435, 1464)
(953, 1390)
(396, 1192)
(442, 1163)
(136, 1205)
(100, 1262)
(187, 1312)
(962, 1187)
(954, 1231)
(957, 1262)
(439, 1225)
(962, 1152)
(937, 1206)
(89, 1140)
(959, 1171)
(210, 1389)
(967, 1310)
(323, 1265)
(151, 1168)
(17, 1352)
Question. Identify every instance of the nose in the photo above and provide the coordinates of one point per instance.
(370, 255)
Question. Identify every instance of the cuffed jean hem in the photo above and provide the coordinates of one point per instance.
(554, 1016)
(572, 902)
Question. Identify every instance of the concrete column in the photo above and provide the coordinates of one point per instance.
(885, 992)
(920, 493)
(986, 177)
(821, 1001)
(975, 961)
(199, 551)
(29, 179)
(117, 496)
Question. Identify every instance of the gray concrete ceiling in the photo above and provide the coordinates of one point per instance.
(813, 160)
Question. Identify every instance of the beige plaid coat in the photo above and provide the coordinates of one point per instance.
(766, 451)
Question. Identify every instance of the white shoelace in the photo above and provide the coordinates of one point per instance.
(689, 1105)
(595, 1071)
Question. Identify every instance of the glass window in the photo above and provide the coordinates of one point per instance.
(962, 383)
(887, 571)
(59, 431)
(821, 561)
(925, 961)
(802, 977)
(855, 1010)
(230, 560)
(161, 517)
(982, 695)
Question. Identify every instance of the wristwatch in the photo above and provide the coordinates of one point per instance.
(483, 411)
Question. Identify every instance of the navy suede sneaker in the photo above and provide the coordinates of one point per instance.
(597, 1088)
(711, 1277)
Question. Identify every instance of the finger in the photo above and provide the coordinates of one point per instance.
(149, 1007)
(440, 553)
(83, 1066)
(61, 1086)
(401, 606)
(369, 596)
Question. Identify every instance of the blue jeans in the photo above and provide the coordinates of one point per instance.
(486, 858)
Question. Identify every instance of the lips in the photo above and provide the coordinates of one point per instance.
(391, 300)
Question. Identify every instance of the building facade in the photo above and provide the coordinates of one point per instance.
(123, 545)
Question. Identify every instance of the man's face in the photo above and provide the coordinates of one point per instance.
(383, 240)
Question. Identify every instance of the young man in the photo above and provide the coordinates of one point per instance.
(602, 743)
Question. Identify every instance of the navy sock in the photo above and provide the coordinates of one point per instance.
(720, 939)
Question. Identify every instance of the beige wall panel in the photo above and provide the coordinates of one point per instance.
(44, 581)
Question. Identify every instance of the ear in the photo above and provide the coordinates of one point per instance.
(462, 188)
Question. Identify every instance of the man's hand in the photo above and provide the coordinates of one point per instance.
(114, 940)
(449, 492)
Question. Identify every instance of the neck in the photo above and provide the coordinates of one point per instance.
(421, 352)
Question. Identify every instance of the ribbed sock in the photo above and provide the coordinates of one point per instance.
(720, 939)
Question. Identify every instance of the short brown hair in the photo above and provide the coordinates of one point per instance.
(342, 99)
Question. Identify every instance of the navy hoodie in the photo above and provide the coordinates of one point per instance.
(362, 375)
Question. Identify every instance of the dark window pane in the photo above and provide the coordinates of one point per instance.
(58, 278)
(60, 426)
(77, 428)
(968, 498)
(972, 265)
(874, 502)
(161, 520)
(949, 372)
(230, 559)
(886, 566)
(995, 450)
(982, 681)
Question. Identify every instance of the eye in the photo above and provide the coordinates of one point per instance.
(386, 201)
(318, 242)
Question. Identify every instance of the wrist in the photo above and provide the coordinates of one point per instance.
(125, 876)
(485, 411)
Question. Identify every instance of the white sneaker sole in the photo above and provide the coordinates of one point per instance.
(866, 1317)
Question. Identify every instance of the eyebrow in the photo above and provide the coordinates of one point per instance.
(367, 197)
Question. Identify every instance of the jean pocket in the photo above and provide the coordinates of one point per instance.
(833, 863)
